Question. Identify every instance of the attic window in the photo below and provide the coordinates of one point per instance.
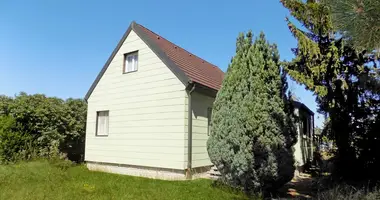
(130, 62)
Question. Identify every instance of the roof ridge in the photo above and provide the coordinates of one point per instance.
(179, 47)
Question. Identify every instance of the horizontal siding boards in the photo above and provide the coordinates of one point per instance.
(146, 113)
(200, 104)
(153, 130)
(204, 162)
(143, 136)
(152, 75)
(146, 149)
(141, 85)
(135, 153)
(134, 102)
(100, 141)
(200, 156)
(198, 149)
(136, 116)
(139, 89)
(138, 109)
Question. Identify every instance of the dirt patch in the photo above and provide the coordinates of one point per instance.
(300, 187)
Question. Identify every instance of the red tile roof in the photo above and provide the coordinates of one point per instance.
(195, 68)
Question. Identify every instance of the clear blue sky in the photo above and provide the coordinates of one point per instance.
(58, 47)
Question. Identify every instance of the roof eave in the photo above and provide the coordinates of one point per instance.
(113, 54)
(205, 90)
(298, 104)
(163, 57)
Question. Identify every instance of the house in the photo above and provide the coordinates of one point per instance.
(305, 146)
(149, 109)
(138, 116)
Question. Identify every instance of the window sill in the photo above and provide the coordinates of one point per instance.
(129, 72)
(101, 135)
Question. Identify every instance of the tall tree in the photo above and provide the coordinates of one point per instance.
(252, 135)
(341, 78)
(358, 20)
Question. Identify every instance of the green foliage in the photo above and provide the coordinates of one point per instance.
(13, 144)
(76, 129)
(344, 82)
(252, 132)
(318, 130)
(60, 181)
(4, 104)
(51, 126)
(357, 21)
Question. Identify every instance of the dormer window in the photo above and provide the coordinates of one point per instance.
(130, 62)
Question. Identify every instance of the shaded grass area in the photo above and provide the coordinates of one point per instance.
(327, 188)
(46, 180)
(346, 192)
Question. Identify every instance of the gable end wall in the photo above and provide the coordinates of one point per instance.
(146, 112)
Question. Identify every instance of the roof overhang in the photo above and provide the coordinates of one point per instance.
(202, 89)
(302, 106)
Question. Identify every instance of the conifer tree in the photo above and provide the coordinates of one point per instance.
(252, 134)
(342, 79)
(358, 21)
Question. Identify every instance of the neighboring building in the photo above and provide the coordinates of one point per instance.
(304, 148)
(149, 95)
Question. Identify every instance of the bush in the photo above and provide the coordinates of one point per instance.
(13, 145)
(252, 133)
(36, 125)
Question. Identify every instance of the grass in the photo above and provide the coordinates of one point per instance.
(345, 192)
(46, 180)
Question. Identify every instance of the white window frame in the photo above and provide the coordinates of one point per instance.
(131, 62)
(100, 116)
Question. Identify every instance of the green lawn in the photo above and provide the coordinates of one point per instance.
(43, 180)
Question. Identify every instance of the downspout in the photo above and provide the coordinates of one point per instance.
(313, 137)
(189, 132)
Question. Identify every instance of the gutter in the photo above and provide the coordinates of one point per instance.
(189, 131)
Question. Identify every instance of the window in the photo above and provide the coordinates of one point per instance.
(209, 112)
(130, 62)
(305, 126)
(102, 120)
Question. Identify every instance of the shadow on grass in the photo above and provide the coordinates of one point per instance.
(217, 184)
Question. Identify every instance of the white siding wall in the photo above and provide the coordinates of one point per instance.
(146, 112)
(297, 147)
(200, 104)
